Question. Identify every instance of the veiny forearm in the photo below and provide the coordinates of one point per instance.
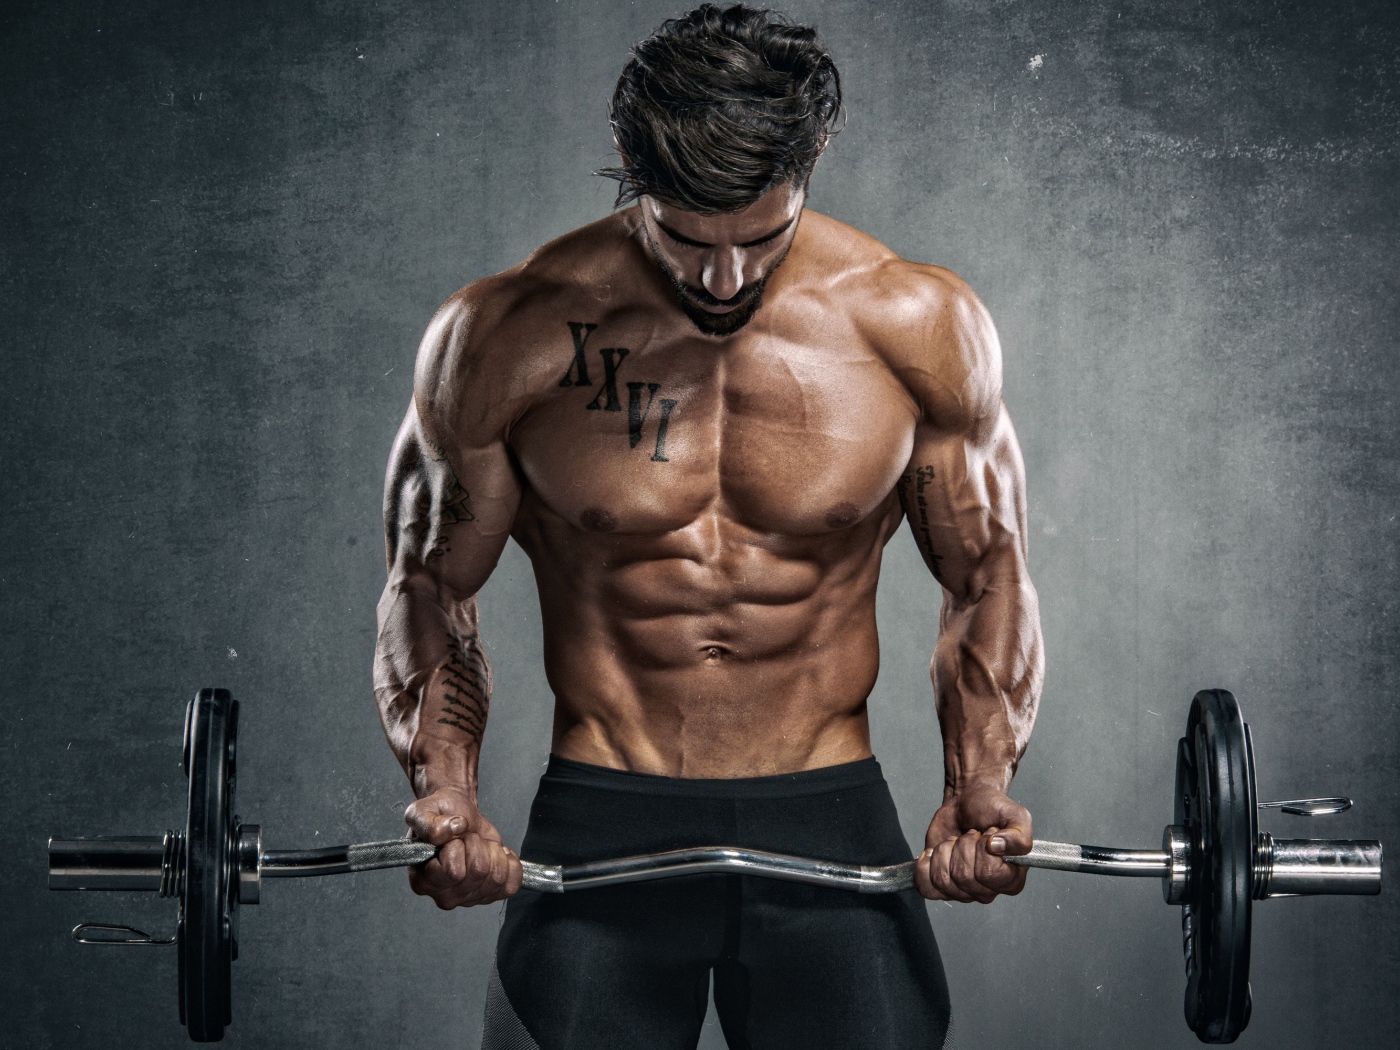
(988, 667)
(433, 684)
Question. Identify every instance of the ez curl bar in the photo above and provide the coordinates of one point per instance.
(1214, 863)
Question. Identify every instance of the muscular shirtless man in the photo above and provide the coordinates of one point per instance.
(702, 418)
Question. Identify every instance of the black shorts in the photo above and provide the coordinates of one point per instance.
(794, 965)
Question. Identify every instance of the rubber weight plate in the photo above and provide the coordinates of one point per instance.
(1215, 802)
(205, 934)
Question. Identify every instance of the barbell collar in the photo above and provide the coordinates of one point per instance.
(248, 863)
(1176, 843)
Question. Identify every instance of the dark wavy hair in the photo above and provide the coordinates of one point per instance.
(716, 108)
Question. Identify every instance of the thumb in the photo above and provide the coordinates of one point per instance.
(1015, 839)
(437, 828)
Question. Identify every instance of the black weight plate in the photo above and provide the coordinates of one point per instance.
(1215, 802)
(205, 931)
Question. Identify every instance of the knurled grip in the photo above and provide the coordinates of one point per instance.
(1054, 856)
(394, 853)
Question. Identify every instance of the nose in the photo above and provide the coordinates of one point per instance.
(723, 274)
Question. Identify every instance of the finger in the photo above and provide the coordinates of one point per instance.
(431, 880)
(922, 880)
(515, 873)
(939, 864)
(493, 886)
(452, 863)
(477, 854)
(962, 867)
(487, 873)
(500, 865)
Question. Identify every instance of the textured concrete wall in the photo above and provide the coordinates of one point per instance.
(224, 227)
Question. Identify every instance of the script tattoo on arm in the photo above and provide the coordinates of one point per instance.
(912, 486)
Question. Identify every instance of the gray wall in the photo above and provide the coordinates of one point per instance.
(225, 226)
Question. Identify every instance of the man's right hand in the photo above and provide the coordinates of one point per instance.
(473, 865)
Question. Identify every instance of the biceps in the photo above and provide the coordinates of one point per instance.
(446, 518)
(964, 495)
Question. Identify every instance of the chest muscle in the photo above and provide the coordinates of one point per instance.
(646, 436)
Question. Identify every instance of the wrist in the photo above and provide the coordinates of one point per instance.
(439, 767)
(978, 785)
(963, 778)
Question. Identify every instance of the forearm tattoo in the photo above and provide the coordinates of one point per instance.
(466, 689)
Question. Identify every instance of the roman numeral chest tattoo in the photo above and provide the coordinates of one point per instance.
(606, 399)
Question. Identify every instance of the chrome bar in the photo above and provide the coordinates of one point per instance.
(1294, 867)
(113, 863)
(1097, 860)
(302, 863)
(706, 860)
(552, 878)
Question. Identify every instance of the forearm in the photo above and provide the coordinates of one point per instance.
(432, 682)
(987, 669)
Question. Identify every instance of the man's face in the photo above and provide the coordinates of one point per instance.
(719, 264)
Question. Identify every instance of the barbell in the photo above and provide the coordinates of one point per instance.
(1214, 862)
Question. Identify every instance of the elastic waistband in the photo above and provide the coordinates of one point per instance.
(862, 773)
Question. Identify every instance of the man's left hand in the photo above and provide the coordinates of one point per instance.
(970, 833)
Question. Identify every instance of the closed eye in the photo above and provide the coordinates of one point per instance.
(768, 236)
(681, 238)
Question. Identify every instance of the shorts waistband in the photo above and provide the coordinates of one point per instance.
(863, 772)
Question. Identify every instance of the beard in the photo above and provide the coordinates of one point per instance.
(693, 300)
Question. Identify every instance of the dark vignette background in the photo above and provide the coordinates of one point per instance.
(224, 227)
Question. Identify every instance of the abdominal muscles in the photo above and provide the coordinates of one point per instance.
(711, 650)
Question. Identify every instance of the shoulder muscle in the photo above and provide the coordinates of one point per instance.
(938, 338)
